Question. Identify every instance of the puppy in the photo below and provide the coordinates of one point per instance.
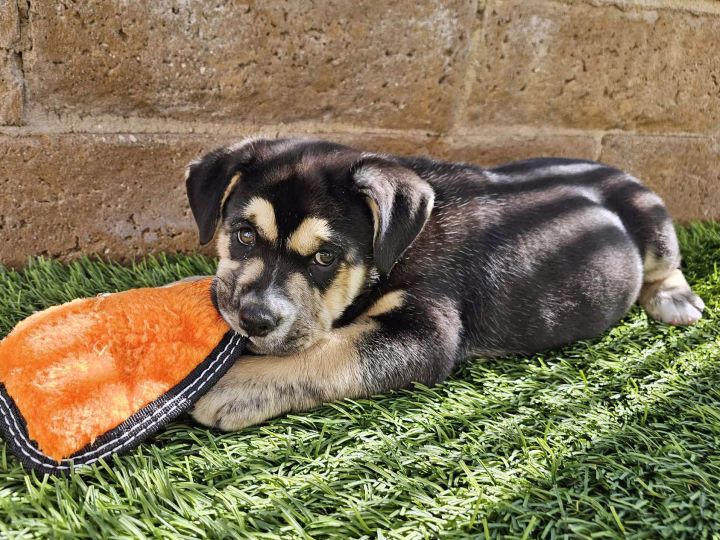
(355, 273)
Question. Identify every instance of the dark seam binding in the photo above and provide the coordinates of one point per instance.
(143, 423)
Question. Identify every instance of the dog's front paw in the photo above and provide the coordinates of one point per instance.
(232, 408)
(250, 393)
(219, 410)
(205, 411)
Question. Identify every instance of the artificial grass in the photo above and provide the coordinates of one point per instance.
(618, 437)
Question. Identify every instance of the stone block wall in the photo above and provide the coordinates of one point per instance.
(103, 102)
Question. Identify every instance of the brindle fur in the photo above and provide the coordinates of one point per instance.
(437, 261)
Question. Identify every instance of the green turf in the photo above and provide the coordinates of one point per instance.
(613, 438)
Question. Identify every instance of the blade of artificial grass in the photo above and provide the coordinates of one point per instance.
(612, 438)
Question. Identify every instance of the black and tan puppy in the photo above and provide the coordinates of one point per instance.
(357, 273)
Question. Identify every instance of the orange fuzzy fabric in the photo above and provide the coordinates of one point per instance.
(78, 370)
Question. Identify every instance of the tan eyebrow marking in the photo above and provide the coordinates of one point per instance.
(261, 212)
(309, 236)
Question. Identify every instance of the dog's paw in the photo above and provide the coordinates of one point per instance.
(676, 307)
(226, 410)
(219, 410)
(670, 300)
(205, 411)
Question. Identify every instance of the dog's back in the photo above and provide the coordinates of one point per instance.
(546, 251)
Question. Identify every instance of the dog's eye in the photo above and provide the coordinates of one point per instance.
(324, 258)
(246, 236)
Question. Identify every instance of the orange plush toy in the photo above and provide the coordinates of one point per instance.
(96, 376)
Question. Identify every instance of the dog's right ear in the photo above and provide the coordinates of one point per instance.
(210, 179)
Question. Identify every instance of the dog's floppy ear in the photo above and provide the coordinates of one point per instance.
(210, 179)
(400, 202)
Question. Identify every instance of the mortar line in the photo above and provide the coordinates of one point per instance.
(25, 38)
(463, 95)
(483, 131)
(599, 145)
(488, 130)
(153, 126)
(702, 7)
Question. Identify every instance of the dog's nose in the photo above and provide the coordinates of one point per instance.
(257, 320)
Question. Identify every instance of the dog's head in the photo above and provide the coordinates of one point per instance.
(303, 228)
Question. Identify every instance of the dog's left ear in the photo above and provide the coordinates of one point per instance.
(400, 201)
(210, 180)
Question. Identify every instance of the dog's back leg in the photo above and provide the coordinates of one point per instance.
(665, 294)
